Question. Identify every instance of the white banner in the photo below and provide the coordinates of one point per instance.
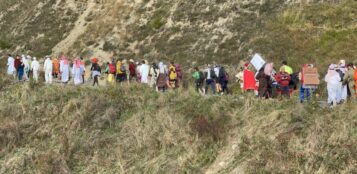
(257, 61)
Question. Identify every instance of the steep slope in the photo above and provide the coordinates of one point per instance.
(52, 129)
(36, 26)
(226, 31)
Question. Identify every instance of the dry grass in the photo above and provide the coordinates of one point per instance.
(56, 129)
(51, 129)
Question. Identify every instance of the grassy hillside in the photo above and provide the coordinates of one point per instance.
(225, 31)
(52, 129)
(35, 26)
(122, 129)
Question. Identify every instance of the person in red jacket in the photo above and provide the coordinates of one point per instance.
(17, 63)
(132, 70)
(249, 83)
(283, 79)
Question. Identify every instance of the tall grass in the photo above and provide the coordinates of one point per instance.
(56, 129)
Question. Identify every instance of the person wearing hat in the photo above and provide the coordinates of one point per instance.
(95, 72)
(35, 67)
(334, 85)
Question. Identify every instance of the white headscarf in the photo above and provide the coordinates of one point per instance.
(332, 75)
(161, 68)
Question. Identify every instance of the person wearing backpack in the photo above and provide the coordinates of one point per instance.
(223, 80)
(172, 75)
(120, 70)
(96, 72)
(210, 79)
(199, 78)
(349, 80)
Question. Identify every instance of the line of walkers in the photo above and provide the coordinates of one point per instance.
(23, 67)
(266, 83)
(159, 76)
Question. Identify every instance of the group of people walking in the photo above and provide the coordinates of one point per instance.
(341, 80)
(157, 75)
(23, 67)
(265, 83)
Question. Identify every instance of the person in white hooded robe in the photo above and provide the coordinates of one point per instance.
(334, 85)
(64, 69)
(144, 72)
(35, 67)
(11, 70)
(77, 71)
(48, 66)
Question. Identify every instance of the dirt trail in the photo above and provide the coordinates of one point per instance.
(79, 29)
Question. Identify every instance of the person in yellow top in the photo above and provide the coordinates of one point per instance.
(120, 70)
(287, 68)
(172, 75)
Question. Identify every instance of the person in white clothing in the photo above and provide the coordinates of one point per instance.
(64, 69)
(48, 69)
(342, 95)
(35, 67)
(144, 72)
(11, 70)
(334, 85)
(77, 71)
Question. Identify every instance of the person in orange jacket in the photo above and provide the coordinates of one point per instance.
(56, 67)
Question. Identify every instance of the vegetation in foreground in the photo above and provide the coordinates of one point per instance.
(56, 129)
